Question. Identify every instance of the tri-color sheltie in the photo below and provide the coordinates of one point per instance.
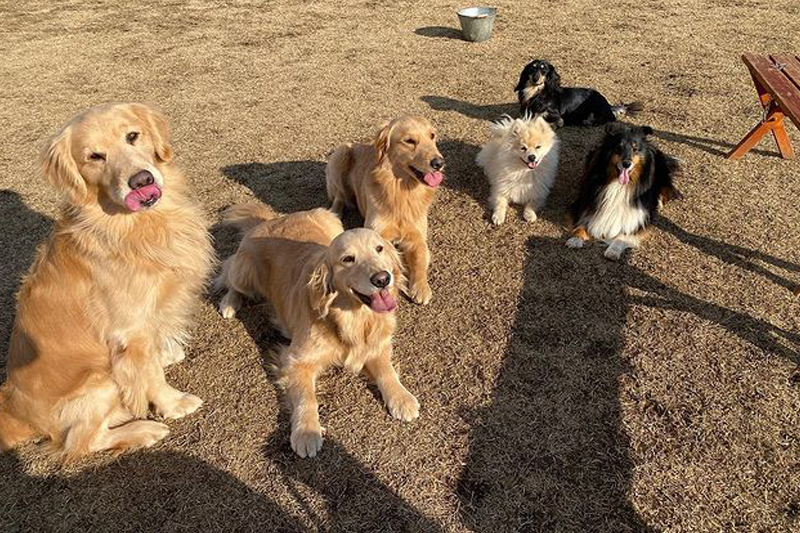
(521, 161)
(625, 182)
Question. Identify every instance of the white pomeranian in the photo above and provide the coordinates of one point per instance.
(521, 161)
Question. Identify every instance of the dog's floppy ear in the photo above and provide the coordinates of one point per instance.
(383, 140)
(398, 270)
(553, 80)
(158, 129)
(320, 289)
(523, 79)
(59, 167)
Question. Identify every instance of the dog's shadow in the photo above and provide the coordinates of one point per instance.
(148, 491)
(477, 111)
(286, 186)
(27, 230)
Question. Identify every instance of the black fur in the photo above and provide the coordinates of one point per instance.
(572, 106)
(655, 177)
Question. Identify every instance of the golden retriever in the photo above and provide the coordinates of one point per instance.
(392, 182)
(107, 302)
(333, 292)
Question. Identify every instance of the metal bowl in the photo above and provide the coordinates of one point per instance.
(476, 23)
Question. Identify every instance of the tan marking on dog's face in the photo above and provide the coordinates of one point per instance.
(355, 256)
(616, 160)
(105, 147)
(413, 145)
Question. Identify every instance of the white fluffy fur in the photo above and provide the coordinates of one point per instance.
(502, 159)
(615, 216)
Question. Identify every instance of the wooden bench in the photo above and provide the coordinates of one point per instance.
(777, 80)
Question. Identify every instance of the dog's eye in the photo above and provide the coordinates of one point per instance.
(523, 148)
(349, 259)
(537, 147)
(131, 137)
(433, 135)
(97, 156)
(412, 142)
(379, 249)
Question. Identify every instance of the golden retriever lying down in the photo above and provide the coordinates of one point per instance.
(107, 302)
(333, 292)
(392, 182)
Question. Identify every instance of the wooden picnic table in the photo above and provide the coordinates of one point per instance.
(777, 80)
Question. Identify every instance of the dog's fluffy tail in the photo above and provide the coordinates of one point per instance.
(246, 216)
(13, 431)
(627, 110)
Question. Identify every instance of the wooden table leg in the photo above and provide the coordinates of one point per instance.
(772, 122)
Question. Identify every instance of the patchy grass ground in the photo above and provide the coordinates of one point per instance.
(560, 392)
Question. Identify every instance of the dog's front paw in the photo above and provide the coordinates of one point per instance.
(177, 404)
(498, 217)
(145, 433)
(403, 406)
(529, 214)
(229, 304)
(614, 251)
(307, 440)
(575, 242)
(420, 293)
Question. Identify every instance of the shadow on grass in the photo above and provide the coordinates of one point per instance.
(482, 112)
(439, 32)
(146, 491)
(286, 186)
(735, 255)
(25, 231)
(706, 144)
(549, 453)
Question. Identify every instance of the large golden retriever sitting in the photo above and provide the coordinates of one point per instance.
(392, 182)
(333, 292)
(107, 302)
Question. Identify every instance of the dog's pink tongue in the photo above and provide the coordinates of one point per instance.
(382, 301)
(136, 198)
(433, 179)
(624, 175)
(533, 164)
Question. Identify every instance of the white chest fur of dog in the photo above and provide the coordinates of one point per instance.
(616, 215)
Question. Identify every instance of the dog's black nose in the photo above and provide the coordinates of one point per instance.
(437, 163)
(532, 158)
(381, 279)
(627, 163)
(141, 179)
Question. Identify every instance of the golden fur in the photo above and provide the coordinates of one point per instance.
(378, 179)
(107, 302)
(308, 269)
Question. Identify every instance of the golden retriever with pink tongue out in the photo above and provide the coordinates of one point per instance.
(334, 295)
(392, 182)
(108, 301)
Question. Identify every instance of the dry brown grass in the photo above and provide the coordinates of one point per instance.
(560, 392)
